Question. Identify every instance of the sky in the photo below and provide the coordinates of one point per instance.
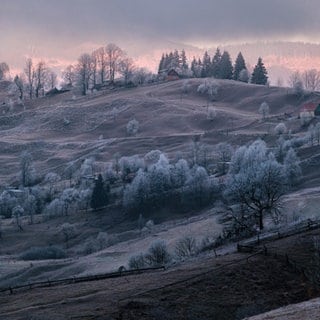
(60, 30)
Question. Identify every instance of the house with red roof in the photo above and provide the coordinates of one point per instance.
(309, 110)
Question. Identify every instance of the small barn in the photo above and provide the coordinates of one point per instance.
(172, 75)
(309, 109)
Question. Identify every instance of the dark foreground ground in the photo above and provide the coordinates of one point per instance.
(227, 287)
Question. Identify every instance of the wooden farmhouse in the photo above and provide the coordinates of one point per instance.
(172, 75)
(310, 110)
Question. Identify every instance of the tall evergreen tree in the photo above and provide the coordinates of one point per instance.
(161, 64)
(176, 59)
(216, 63)
(226, 69)
(99, 196)
(183, 57)
(206, 65)
(259, 74)
(239, 66)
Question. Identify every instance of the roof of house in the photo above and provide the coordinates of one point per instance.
(173, 72)
(309, 107)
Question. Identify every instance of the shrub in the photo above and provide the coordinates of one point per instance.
(43, 253)
(211, 113)
(280, 128)
(132, 127)
(157, 254)
(137, 262)
(186, 247)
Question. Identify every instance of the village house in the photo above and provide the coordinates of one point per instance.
(172, 75)
(310, 110)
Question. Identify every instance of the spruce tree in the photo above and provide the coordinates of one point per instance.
(161, 64)
(206, 63)
(183, 57)
(226, 69)
(99, 196)
(216, 64)
(239, 66)
(260, 74)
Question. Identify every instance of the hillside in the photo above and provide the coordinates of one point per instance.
(64, 128)
(68, 128)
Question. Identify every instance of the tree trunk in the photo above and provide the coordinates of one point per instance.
(260, 220)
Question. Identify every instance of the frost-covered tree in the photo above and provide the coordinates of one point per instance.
(70, 171)
(244, 76)
(209, 88)
(30, 206)
(135, 195)
(69, 231)
(280, 128)
(68, 197)
(130, 165)
(54, 209)
(224, 154)
(180, 173)
(7, 203)
(4, 70)
(292, 167)
(133, 127)
(198, 188)
(256, 181)
(211, 113)
(17, 212)
(264, 109)
(51, 179)
(295, 82)
(152, 157)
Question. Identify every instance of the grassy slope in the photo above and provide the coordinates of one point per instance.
(168, 121)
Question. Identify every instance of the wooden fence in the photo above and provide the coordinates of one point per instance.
(259, 246)
(51, 283)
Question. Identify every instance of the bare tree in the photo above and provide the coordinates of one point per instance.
(84, 72)
(69, 75)
(127, 68)
(264, 110)
(101, 55)
(17, 212)
(94, 67)
(311, 79)
(40, 78)
(114, 58)
(4, 69)
(295, 82)
(51, 79)
(30, 75)
(20, 84)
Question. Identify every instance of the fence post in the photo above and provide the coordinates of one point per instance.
(265, 250)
